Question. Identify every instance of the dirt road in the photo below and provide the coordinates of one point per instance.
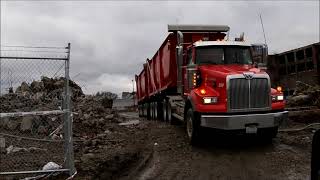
(222, 157)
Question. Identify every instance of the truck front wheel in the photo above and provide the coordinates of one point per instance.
(192, 127)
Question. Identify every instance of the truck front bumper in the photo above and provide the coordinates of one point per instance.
(236, 122)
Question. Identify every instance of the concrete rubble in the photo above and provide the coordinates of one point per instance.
(305, 95)
(99, 140)
(12, 149)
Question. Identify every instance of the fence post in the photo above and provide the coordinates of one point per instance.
(68, 119)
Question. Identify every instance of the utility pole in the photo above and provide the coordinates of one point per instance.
(264, 34)
(133, 98)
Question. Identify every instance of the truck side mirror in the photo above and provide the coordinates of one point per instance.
(264, 54)
(259, 53)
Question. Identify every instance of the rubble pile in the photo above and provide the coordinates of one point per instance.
(91, 113)
(91, 117)
(43, 95)
(49, 87)
(40, 125)
(305, 95)
(102, 147)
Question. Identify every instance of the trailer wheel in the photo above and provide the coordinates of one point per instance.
(192, 127)
(149, 111)
(164, 111)
(155, 107)
(159, 110)
(169, 113)
(139, 111)
(153, 111)
(145, 110)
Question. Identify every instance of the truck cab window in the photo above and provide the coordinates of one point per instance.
(223, 55)
(237, 55)
(209, 55)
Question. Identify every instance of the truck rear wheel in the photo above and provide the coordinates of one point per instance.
(155, 110)
(148, 111)
(144, 110)
(159, 110)
(192, 127)
(164, 111)
(152, 110)
(169, 113)
(140, 110)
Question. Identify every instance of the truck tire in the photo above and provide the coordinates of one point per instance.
(144, 114)
(152, 111)
(139, 110)
(164, 111)
(145, 110)
(159, 109)
(192, 124)
(155, 108)
(148, 111)
(169, 114)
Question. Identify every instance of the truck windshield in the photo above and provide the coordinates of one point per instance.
(223, 55)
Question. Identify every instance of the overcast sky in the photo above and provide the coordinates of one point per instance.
(111, 40)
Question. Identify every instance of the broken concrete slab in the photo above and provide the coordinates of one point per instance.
(132, 122)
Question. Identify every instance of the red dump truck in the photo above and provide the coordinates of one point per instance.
(202, 78)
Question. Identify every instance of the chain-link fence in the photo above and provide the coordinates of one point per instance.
(36, 122)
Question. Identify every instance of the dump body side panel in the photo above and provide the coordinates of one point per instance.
(160, 72)
(141, 86)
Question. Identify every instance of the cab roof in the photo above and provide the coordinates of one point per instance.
(220, 43)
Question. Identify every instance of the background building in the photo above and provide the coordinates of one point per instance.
(301, 64)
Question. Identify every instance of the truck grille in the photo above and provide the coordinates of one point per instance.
(248, 94)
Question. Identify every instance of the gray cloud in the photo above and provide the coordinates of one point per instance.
(111, 40)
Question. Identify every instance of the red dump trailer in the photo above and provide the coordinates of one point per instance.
(202, 78)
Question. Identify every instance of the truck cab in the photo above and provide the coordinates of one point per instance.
(225, 90)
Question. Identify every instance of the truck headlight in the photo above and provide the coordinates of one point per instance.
(210, 100)
(280, 98)
(277, 98)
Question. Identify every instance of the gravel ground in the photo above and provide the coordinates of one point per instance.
(156, 150)
(225, 157)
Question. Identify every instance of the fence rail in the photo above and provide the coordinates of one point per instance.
(35, 111)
